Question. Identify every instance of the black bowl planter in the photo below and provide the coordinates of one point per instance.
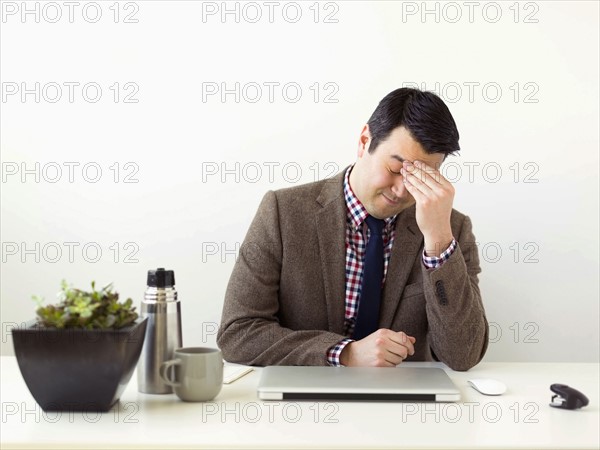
(77, 369)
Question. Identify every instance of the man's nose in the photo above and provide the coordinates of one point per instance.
(398, 188)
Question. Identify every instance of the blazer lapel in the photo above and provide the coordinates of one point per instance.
(406, 247)
(331, 232)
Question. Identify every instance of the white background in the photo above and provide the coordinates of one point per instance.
(521, 80)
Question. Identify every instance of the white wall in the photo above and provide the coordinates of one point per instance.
(541, 127)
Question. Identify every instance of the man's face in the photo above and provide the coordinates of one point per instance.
(376, 179)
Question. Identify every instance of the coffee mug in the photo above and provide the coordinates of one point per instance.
(198, 373)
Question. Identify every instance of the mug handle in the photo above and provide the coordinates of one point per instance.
(164, 372)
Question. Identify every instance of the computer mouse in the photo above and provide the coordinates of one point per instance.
(487, 386)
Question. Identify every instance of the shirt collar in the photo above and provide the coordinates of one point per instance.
(356, 210)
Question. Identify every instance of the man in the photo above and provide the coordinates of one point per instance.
(369, 268)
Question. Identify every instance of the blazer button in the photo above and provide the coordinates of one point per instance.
(441, 292)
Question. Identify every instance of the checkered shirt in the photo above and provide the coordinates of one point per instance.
(357, 236)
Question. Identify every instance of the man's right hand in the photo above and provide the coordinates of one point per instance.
(383, 348)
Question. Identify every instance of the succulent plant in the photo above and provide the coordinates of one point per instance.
(89, 310)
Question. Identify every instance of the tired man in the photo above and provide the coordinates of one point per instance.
(369, 268)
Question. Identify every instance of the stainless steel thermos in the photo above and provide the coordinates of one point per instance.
(163, 332)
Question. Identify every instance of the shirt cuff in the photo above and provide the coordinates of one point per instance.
(333, 354)
(433, 262)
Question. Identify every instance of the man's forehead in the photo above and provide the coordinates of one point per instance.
(428, 158)
(401, 146)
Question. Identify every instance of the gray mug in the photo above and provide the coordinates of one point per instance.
(198, 373)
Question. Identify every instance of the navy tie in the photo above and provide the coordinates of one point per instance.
(367, 320)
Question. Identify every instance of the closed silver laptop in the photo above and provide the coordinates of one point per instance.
(401, 384)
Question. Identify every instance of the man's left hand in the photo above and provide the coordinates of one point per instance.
(434, 196)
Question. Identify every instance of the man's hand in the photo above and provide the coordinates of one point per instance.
(383, 348)
(434, 196)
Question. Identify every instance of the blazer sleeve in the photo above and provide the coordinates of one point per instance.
(458, 329)
(250, 332)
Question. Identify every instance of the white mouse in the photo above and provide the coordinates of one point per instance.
(488, 386)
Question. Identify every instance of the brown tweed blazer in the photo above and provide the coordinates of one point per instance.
(285, 300)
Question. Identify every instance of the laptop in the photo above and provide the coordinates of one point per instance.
(400, 384)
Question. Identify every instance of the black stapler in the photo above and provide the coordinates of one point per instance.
(567, 397)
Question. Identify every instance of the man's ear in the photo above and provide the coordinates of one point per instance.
(364, 141)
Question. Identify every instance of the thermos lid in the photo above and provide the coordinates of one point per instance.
(161, 278)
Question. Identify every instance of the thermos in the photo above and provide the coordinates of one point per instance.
(163, 331)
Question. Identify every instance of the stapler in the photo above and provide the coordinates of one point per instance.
(567, 397)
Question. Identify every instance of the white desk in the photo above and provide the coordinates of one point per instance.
(521, 418)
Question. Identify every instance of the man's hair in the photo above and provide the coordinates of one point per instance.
(423, 113)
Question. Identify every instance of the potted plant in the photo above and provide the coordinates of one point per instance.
(79, 354)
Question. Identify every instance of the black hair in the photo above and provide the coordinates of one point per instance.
(423, 113)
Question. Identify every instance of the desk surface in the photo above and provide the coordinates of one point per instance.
(521, 418)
